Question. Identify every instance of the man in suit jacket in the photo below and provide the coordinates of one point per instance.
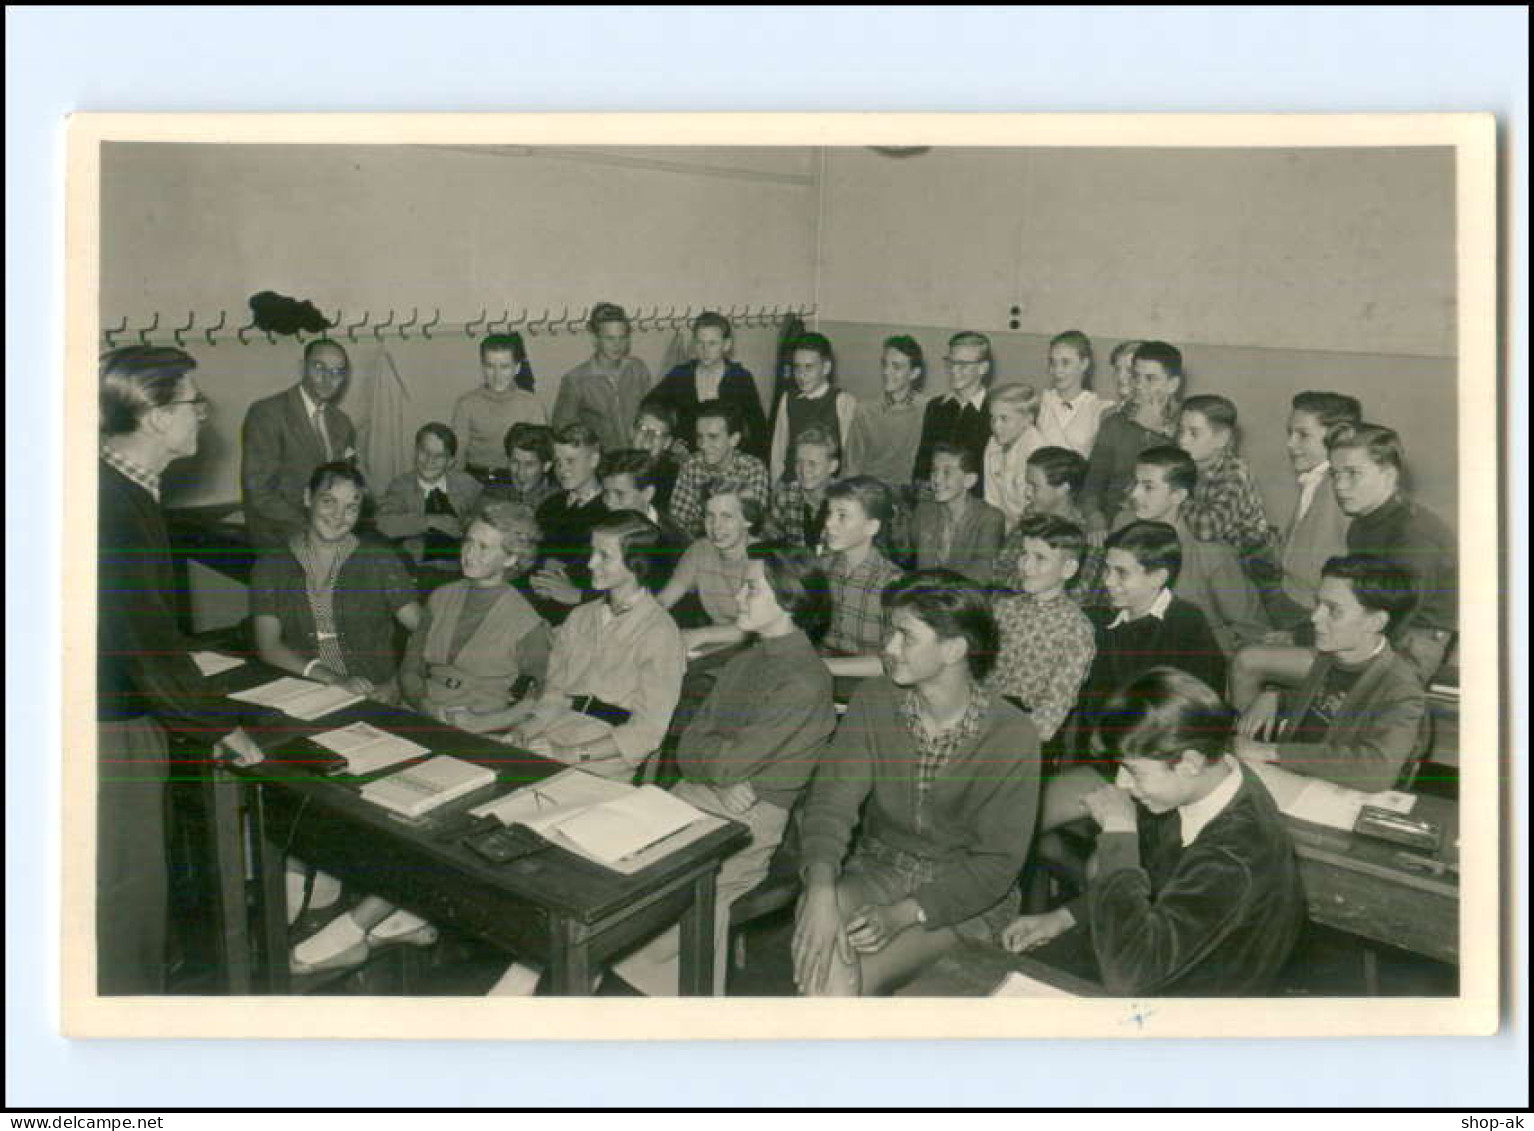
(963, 414)
(286, 437)
(429, 508)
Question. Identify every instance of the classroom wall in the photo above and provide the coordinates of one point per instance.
(1411, 394)
(200, 228)
(1343, 250)
(1274, 270)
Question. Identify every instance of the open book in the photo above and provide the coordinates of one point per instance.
(367, 749)
(416, 791)
(609, 823)
(300, 698)
(1017, 984)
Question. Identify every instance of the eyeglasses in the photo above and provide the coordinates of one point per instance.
(200, 403)
(329, 371)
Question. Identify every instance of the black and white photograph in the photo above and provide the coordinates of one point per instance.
(783, 558)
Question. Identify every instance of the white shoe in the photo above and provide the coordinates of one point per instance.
(327, 889)
(404, 928)
(518, 981)
(338, 944)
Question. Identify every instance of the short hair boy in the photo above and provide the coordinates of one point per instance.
(1197, 891)
(1047, 642)
(1355, 718)
(1211, 577)
(717, 462)
(955, 530)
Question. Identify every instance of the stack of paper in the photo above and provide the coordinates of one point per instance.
(368, 749)
(542, 806)
(418, 790)
(300, 698)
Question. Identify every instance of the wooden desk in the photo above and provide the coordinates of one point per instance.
(1369, 887)
(553, 907)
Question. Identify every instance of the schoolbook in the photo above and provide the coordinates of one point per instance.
(300, 698)
(417, 790)
(367, 749)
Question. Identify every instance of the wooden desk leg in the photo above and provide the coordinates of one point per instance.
(697, 943)
(570, 959)
(226, 836)
(270, 868)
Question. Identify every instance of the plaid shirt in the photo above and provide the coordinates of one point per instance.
(146, 479)
(697, 480)
(1046, 651)
(791, 518)
(1227, 506)
(859, 623)
(934, 751)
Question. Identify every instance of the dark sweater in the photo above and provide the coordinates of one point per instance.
(948, 421)
(372, 586)
(1181, 639)
(1414, 537)
(978, 820)
(766, 721)
(1217, 918)
(142, 661)
(737, 387)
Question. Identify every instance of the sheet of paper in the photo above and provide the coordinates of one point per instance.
(211, 663)
(546, 803)
(618, 829)
(301, 698)
(368, 749)
(1323, 803)
(1016, 984)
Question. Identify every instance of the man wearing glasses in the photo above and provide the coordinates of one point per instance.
(962, 415)
(146, 682)
(286, 437)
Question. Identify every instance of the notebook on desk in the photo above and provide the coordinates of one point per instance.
(618, 826)
(418, 790)
(299, 698)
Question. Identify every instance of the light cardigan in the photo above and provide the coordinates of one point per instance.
(1006, 489)
(634, 660)
(1062, 427)
(511, 641)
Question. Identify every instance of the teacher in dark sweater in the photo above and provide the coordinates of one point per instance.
(146, 682)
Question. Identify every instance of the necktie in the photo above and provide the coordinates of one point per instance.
(319, 426)
(437, 502)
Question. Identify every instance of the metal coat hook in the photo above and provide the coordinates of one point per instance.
(576, 324)
(436, 317)
(110, 334)
(208, 333)
(558, 324)
(469, 326)
(191, 320)
(240, 333)
(351, 331)
(143, 334)
(403, 326)
(519, 320)
(504, 322)
(537, 323)
(380, 327)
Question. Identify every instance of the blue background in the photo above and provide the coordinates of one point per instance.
(1168, 59)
